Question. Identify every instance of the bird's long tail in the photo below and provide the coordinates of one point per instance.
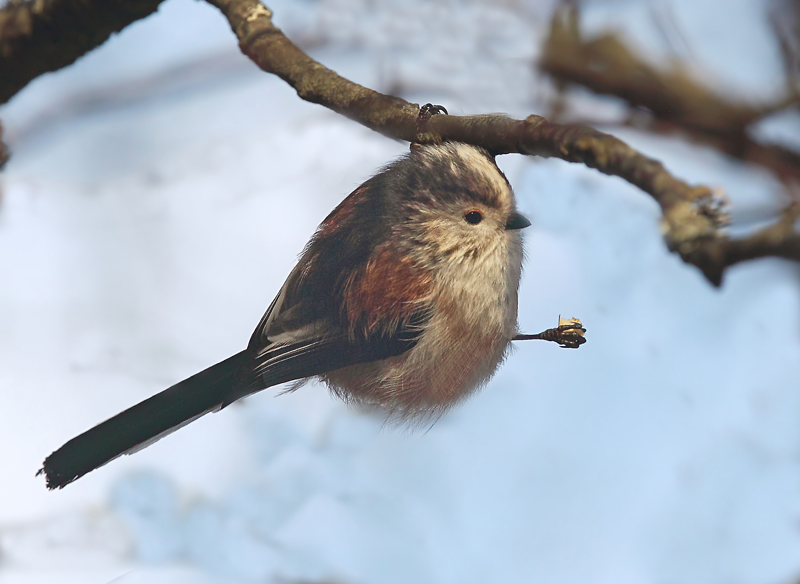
(144, 423)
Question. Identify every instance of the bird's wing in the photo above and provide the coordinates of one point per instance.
(292, 343)
(355, 296)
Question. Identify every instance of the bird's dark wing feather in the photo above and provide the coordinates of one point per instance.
(314, 355)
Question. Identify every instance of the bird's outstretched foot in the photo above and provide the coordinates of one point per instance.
(569, 334)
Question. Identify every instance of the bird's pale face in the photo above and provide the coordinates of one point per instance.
(467, 229)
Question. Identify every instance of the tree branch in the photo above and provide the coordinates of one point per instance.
(38, 36)
(692, 216)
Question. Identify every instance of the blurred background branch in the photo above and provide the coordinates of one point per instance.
(3, 148)
(673, 98)
(39, 36)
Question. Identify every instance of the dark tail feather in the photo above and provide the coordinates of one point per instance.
(144, 423)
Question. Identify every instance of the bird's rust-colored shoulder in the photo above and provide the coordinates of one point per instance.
(391, 287)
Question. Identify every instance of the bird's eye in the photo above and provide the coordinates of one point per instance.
(473, 217)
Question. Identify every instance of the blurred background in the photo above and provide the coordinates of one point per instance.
(161, 188)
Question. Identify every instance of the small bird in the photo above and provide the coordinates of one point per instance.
(405, 298)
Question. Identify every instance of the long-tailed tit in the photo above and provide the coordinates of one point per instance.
(405, 298)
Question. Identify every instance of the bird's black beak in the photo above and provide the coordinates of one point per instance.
(517, 221)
